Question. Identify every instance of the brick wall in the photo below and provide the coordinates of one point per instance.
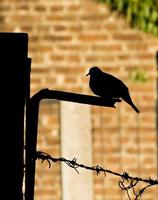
(48, 180)
(66, 37)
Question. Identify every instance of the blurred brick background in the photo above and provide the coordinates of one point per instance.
(66, 37)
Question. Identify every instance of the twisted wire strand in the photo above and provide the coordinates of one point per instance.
(127, 182)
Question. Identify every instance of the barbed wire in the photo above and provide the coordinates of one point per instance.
(126, 183)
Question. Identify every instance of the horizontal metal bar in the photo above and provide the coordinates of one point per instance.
(74, 97)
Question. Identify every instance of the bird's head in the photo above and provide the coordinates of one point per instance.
(93, 70)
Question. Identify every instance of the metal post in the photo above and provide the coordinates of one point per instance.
(13, 66)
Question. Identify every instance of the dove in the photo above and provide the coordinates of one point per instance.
(108, 86)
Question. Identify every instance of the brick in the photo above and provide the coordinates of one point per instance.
(90, 37)
(59, 28)
(70, 80)
(2, 19)
(57, 38)
(147, 150)
(5, 8)
(56, 8)
(93, 17)
(25, 19)
(64, 18)
(34, 38)
(145, 56)
(96, 58)
(23, 7)
(72, 47)
(39, 70)
(74, 8)
(128, 36)
(67, 70)
(112, 47)
(26, 28)
(40, 8)
(56, 57)
(137, 46)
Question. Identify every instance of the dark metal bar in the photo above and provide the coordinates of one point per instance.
(31, 143)
(32, 125)
(75, 97)
(13, 66)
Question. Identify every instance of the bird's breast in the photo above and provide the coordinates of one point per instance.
(104, 87)
(97, 86)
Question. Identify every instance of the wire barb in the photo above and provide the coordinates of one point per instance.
(127, 182)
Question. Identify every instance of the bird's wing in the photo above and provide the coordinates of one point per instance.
(113, 86)
(111, 80)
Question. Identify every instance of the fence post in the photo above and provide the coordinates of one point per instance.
(14, 75)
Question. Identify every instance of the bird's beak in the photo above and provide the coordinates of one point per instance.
(87, 74)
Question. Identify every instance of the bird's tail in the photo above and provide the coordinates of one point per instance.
(128, 100)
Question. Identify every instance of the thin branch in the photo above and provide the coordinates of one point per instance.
(126, 183)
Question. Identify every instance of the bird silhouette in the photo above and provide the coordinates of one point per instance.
(107, 86)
